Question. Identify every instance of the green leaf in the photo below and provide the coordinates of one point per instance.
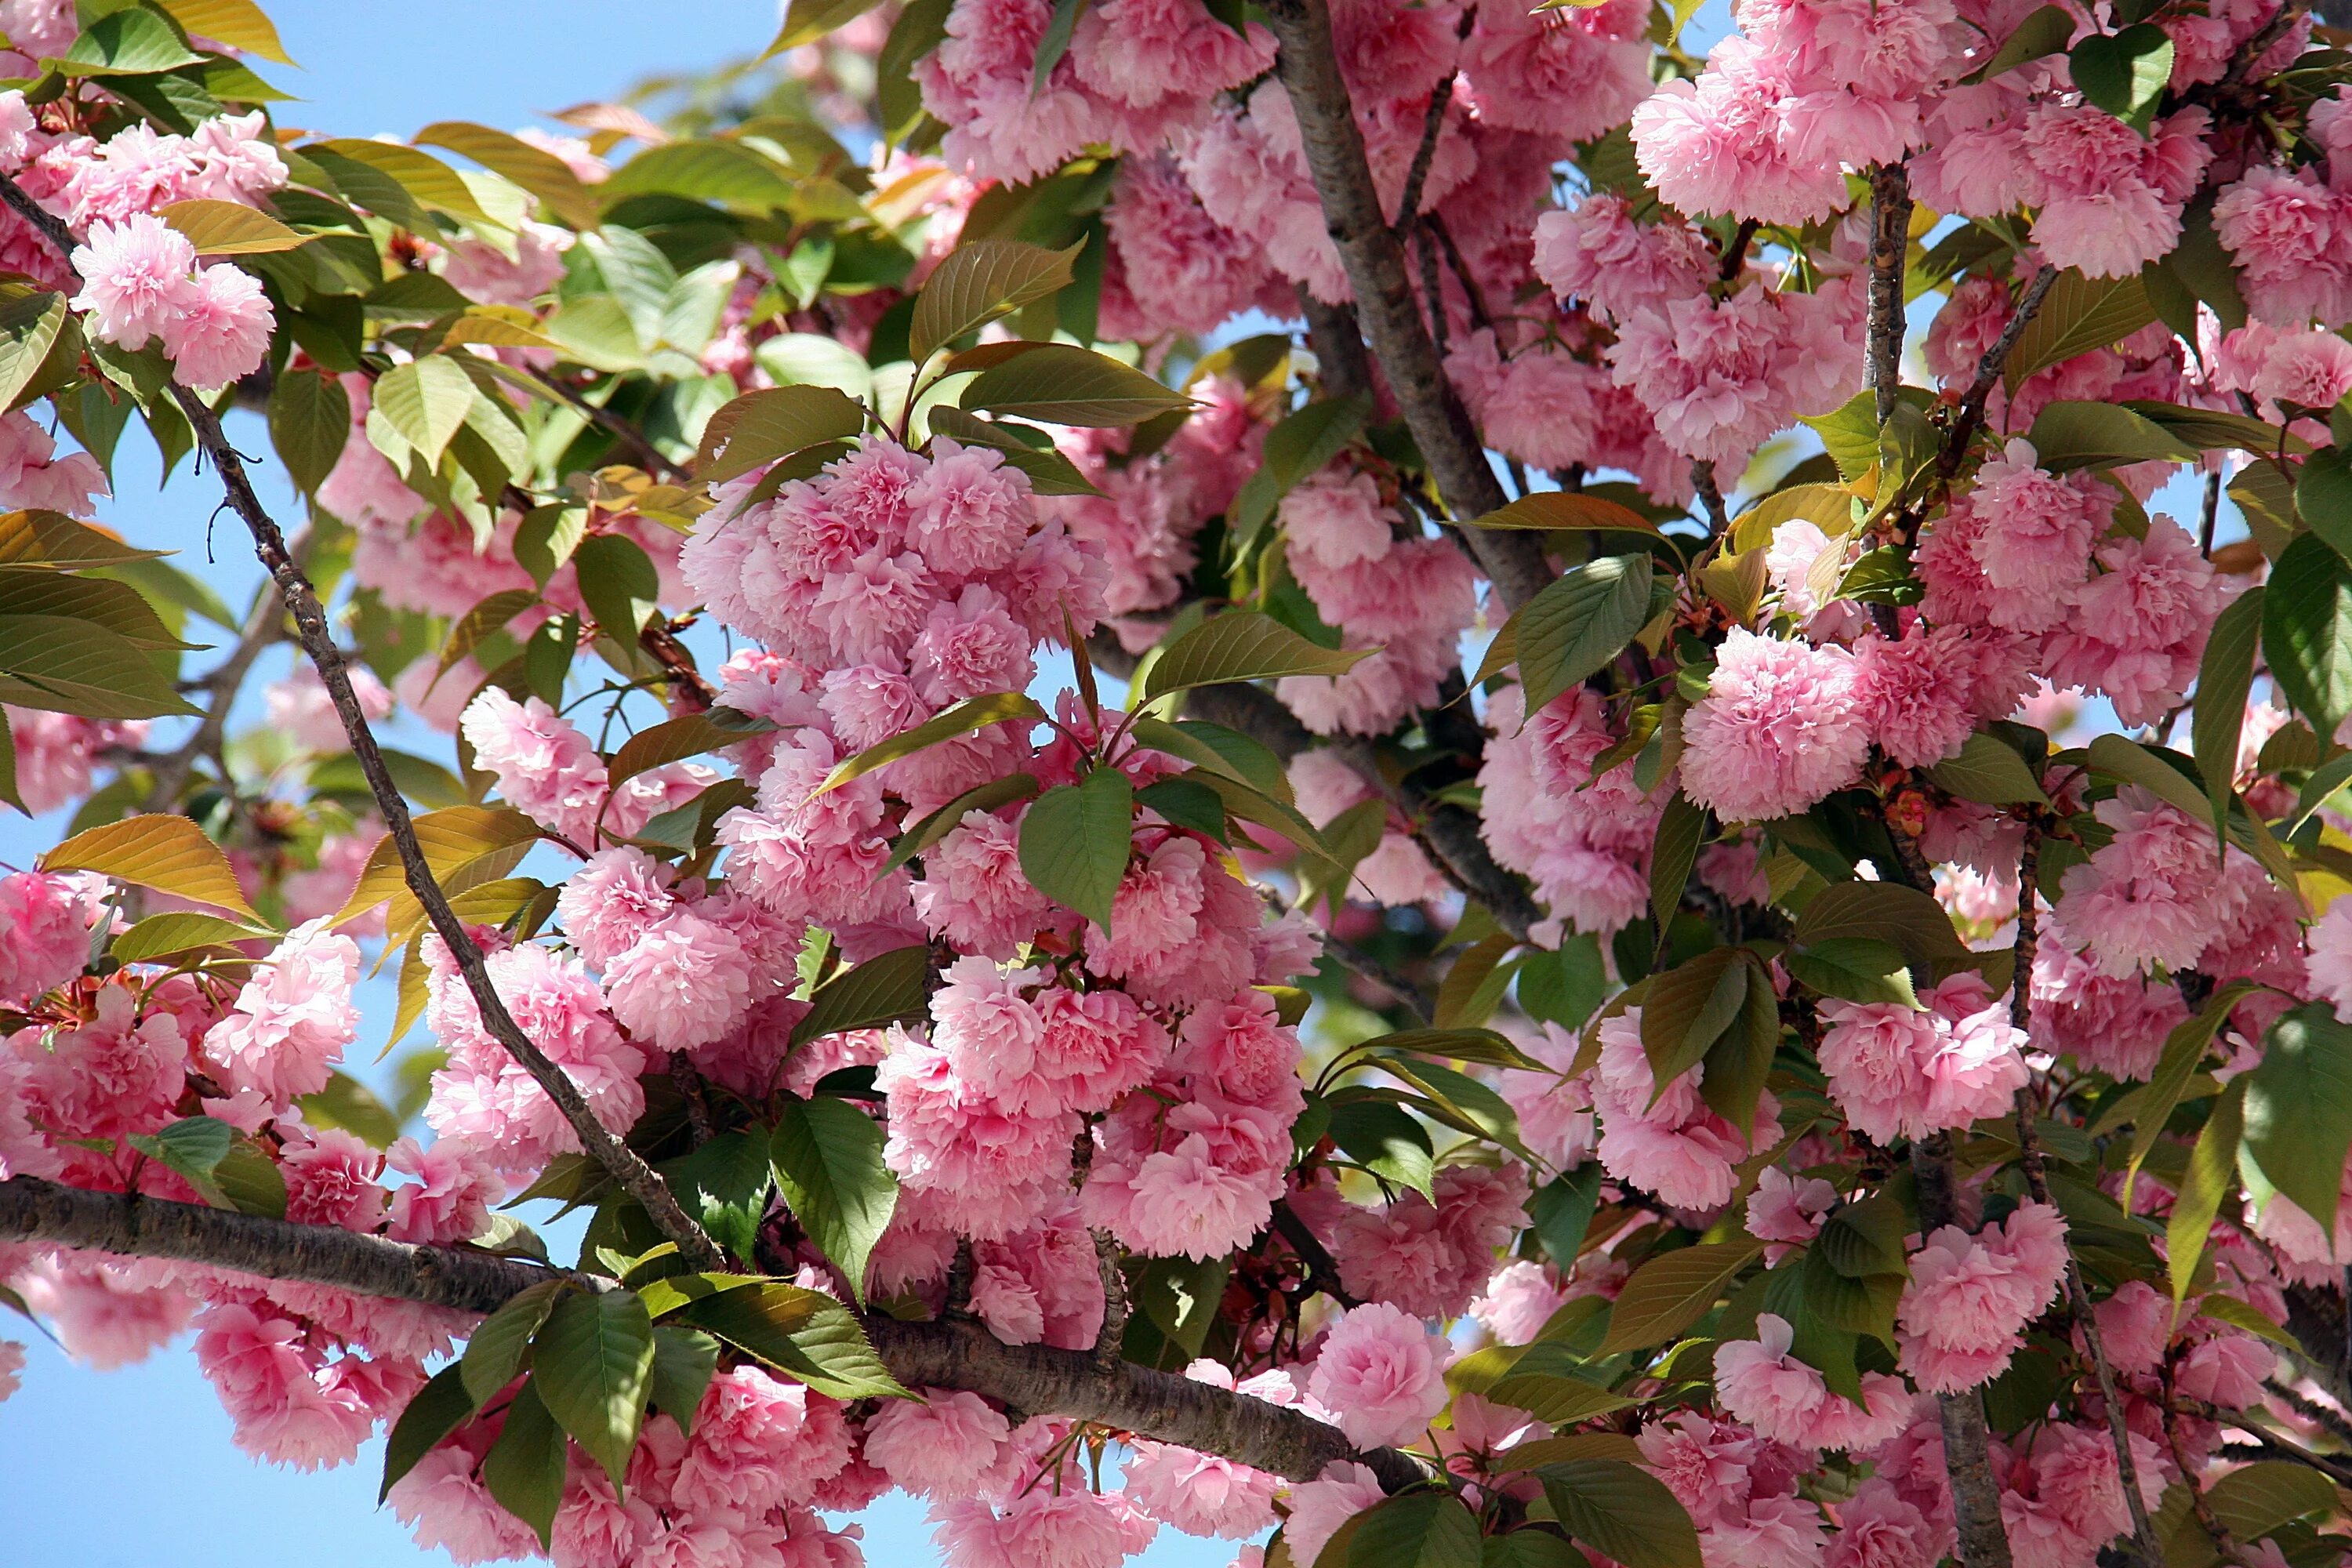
(828, 1160)
(2299, 1107)
(541, 172)
(1061, 384)
(1075, 841)
(495, 1354)
(2045, 32)
(194, 1146)
(1682, 828)
(30, 325)
(980, 281)
(426, 401)
(888, 988)
(1686, 1010)
(1849, 433)
(35, 538)
(725, 1184)
(1419, 1529)
(310, 418)
(435, 1411)
(130, 42)
(1220, 751)
(2211, 1173)
(2071, 436)
(1625, 1512)
(805, 1334)
(1555, 510)
(2078, 314)
(2184, 1048)
(1050, 473)
(524, 1468)
(592, 1364)
(987, 798)
(618, 583)
(348, 1104)
(1483, 1047)
(1385, 1140)
(63, 664)
(1562, 1209)
(1669, 1293)
(722, 172)
(774, 422)
(169, 854)
(465, 846)
(2308, 631)
(1579, 624)
(684, 1359)
(1864, 1238)
(2251, 1503)
(239, 24)
(1240, 645)
(181, 930)
(971, 713)
(1854, 969)
(1182, 1295)
(1910, 919)
(230, 229)
(2223, 677)
(1300, 445)
(1531, 1549)
(672, 740)
(806, 21)
(2322, 495)
(1988, 771)
(1741, 1058)
(2124, 73)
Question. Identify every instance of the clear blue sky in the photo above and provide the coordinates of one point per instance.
(128, 1468)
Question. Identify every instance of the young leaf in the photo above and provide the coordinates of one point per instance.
(426, 401)
(240, 23)
(1061, 384)
(981, 281)
(971, 713)
(593, 1363)
(30, 325)
(885, 989)
(1912, 921)
(618, 583)
(805, 1334)
(2124, 73)
(1577, 625)
(2213, 1168)
(1075, 841)
(169, 854)
(774, 422)
(1854, 969)
(1988, 771)
(465, 846)
(2071, 436)
(351, 1105)
(524, 1468)
(1682, 828)
(67, 664)
(1240, 645)
(1385, 1140)
(1551, 510)
(194, 1146)
(230, 228)
(1668, 1294)
(827, 1155)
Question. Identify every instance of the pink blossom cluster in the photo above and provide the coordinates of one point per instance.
(1584, 842)
(1900, 1073)
(140, 281)
(1787, 1400)
(1970, 1296)
(2290, 229)
(1381, 584)
(1671, 1142)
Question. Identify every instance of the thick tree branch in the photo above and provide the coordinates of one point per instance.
(633, 1176)
(1374, 258)
(1037, 1379)
(1339, 343)
(1890, 239)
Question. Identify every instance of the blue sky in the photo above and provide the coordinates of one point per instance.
(126, 1468)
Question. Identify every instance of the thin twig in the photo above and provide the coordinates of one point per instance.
(265, 625)
(1432, 123)
(649, 456)
(1971, 416)
(626, 1168)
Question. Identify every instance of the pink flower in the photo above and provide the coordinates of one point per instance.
(293, 1018)
(1781, 726)
(685, 982)
(545, 767)
(942, 1447)
(451, 1200)
(219, 330)
(1199, 1494)
(759, 1443)
(1383, 1372)
(330, 1180)
(134, 279)
(1318, 1508)
(48, 920)
(1518, 1301)
(1786, 1212)
(1970, 1297)
(1786, 1401)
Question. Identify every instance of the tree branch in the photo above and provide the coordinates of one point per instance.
(1890, 239)
(959, 1355)
(1374, 258)
(1980, 391)
(633, 1176)
(264, 625)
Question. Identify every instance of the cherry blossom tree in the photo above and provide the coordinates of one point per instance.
(1645, 930)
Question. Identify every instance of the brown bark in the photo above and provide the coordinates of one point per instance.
(1036, 1379)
